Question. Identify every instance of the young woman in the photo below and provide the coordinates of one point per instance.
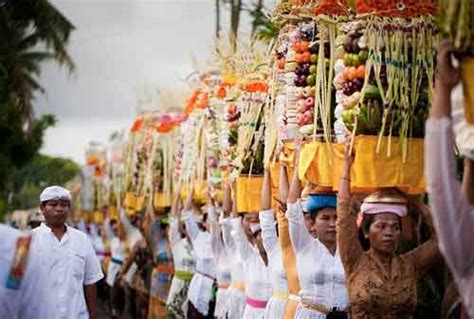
(117, 250)
(276, 305)
(184, 264)
(237, 299)
(258, 288)
(321, 274)
(381, 283)
(222, 260)
(201, 287)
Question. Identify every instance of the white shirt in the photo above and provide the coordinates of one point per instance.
(183, 254)
(133, 236)
(97, 242)
(321, 274)
(13, 302)
(276, 306)
(183, 258)
(222, 261)
(237, 299)
(200, 288)
(117, 254)
(453, 217)
(257, 275)
(64, 268)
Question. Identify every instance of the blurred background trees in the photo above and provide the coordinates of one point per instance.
(31, 32)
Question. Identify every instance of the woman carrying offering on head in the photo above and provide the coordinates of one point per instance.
(381, 283)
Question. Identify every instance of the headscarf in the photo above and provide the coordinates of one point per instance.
(316, 202)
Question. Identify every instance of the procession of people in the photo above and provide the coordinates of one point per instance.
(208, 260)
(325, 173)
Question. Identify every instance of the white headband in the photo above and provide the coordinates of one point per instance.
(377, 208)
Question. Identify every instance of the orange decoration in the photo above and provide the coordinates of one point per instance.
(221, 92)
(164, 127)
(137, 125)
(331, 7)
(396, 8)
(203, 101)
(256, 86)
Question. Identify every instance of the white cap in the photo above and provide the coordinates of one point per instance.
(55, 193)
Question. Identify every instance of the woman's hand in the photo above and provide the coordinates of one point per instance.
(348, 159)
(344, 193)
(448, 75)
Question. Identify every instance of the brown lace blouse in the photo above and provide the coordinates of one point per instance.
(375, 292)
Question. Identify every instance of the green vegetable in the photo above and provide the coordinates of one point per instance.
(371, 92)
(363, 56)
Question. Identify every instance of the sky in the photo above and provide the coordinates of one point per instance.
(123, 50)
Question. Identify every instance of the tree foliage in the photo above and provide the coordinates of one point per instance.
(41, 172)
(31, 32)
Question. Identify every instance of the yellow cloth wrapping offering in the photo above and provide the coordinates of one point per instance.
(249, 190)
(467, 74)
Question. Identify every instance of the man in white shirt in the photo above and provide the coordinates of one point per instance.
(65, 260)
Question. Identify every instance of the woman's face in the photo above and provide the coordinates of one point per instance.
(325, 225)
(384, 233)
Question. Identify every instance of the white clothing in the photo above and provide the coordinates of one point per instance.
(276, 305)
(237, 303)
(200, 288)
(15, 303)
(117, 254)
(97, 242)
(133, 236)
(223, 275)
(183, 257)
(237, 300)
(64, 267)
(321, 274)
(257, 275)
(453, 217)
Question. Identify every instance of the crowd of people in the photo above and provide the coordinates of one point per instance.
(316, 254)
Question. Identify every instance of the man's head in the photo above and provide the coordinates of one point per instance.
(55, 202)
(35, 219)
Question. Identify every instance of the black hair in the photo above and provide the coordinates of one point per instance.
(314, 213)
(113, 222)
(204, 217)
(163, 226)
(241, 215)
(44, 203)
(367, 220)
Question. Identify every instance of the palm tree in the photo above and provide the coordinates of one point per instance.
(31, 32)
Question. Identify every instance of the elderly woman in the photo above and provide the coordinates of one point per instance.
(321, 274)
(381, 283)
